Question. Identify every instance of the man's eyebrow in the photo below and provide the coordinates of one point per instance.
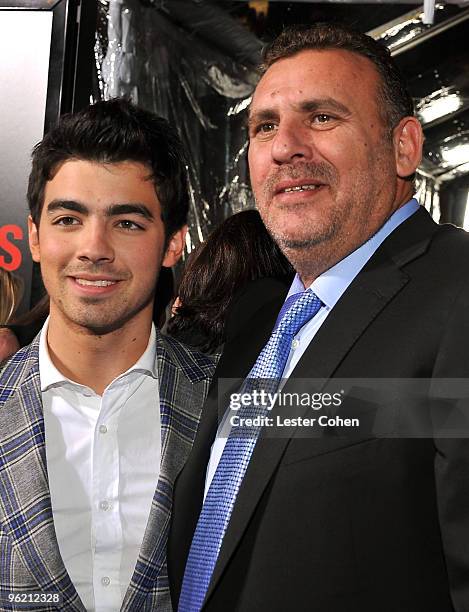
(111, 211)
(265, 114)
(130, 209)
(72, 205)
(308, 106)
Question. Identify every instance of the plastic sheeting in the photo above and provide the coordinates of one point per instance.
(166, 58)
(428, 194)
(192, 63)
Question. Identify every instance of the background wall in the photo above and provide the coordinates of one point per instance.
(25, 39)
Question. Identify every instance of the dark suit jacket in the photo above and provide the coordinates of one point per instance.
(350, 524)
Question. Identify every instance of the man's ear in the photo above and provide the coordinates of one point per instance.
(408, 144)
(175, 247)
(33, 236)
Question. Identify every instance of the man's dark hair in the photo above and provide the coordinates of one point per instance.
(394, 101)
(111, 132)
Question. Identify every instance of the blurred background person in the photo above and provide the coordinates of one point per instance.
(25, 327)
(11, 291)
(238, 251)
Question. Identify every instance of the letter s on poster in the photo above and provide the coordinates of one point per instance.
(13, 260)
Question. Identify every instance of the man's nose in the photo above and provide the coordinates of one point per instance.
(292, 142)
(96, 245)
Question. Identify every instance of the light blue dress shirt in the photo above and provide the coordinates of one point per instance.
(329, 287)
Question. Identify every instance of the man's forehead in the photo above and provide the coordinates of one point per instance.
(317, 72)
(90, 176)
(77, 165)
(101, 185)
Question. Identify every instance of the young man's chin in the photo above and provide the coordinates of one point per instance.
(98, 327)
(94, 323)
(99, 319)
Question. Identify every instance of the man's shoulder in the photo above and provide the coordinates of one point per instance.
(448, 251)
(18, 369)
(452, 237)
(444, 235)
(196, 366)
(421, 239)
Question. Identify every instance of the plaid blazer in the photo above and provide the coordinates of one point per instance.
(30, 560)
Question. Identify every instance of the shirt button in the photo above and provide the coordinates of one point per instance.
(102, 429)
(105, 505)
(295, 344)
(105, 581)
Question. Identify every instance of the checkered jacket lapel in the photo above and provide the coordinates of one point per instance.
(184, 377)
(29, 555)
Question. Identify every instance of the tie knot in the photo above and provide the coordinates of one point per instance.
(297, 310)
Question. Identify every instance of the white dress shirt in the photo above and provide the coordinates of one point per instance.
(103, 462)
(329, 287)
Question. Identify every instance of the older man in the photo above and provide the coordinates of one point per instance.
(333, 521)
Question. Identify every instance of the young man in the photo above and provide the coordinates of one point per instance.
(338, 520)
(98, 414)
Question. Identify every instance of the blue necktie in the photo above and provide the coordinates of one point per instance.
(297, 310)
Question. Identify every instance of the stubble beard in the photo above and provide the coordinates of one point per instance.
(99, 316)
(322, 245)
(98, 319)
(311, 234)
(302, 245)
(312, 253)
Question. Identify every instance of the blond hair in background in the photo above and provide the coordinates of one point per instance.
(11, 291)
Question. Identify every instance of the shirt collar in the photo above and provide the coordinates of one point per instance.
(51, 376)
(332, 283)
